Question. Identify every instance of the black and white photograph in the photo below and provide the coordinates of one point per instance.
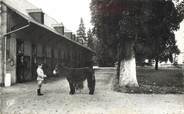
(91, 56)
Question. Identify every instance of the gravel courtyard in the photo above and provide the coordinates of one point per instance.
(22, 99)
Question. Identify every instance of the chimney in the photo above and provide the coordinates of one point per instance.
(74, 37)
(37, 15)
(68, 34)
(59, 28)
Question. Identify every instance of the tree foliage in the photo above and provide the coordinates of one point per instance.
(150, 23)
(81, 32)
(90, 37)
(162, 20)
(108, 17)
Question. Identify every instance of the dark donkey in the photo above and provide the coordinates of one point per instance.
(78, 75)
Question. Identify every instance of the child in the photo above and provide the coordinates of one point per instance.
(40, 78)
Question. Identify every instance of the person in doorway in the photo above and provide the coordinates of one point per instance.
(20, 68)
(40, 78)
(55, 71)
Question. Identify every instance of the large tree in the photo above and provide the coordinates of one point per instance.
(120, 23)
(160, 44)
(164, 20)
(116, 24)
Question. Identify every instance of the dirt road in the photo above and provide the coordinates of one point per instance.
(22, 99)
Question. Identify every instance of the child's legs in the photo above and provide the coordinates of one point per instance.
(40, 84)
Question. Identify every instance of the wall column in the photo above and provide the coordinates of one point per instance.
(183, 73)
(3, 30)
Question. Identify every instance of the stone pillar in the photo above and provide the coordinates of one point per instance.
(11, 62)
(1, 59)
(183, 72)
(3, 30)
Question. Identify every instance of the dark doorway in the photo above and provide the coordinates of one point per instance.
(34, 61)
(20, 61)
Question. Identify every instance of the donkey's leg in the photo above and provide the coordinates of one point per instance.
(72, 88)
(91, 84)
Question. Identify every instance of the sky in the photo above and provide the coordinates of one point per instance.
(69, 12)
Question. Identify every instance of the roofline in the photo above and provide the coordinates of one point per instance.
(44, 26)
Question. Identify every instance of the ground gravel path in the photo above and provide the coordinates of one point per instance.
(22, 99)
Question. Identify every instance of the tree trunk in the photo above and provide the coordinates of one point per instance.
(156, 63)
(128, 66)
(117, 66)
(157, 53)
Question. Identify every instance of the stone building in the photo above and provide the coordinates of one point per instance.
(29, 37)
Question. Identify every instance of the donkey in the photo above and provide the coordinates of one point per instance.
(75, 76)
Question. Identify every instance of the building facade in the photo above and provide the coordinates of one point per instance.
(27, 39)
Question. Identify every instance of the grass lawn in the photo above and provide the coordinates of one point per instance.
(162, 81)
(162, 77)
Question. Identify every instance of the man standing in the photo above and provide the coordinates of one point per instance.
(40, 78)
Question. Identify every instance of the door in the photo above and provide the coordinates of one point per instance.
(20, 61)
(34, 61)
